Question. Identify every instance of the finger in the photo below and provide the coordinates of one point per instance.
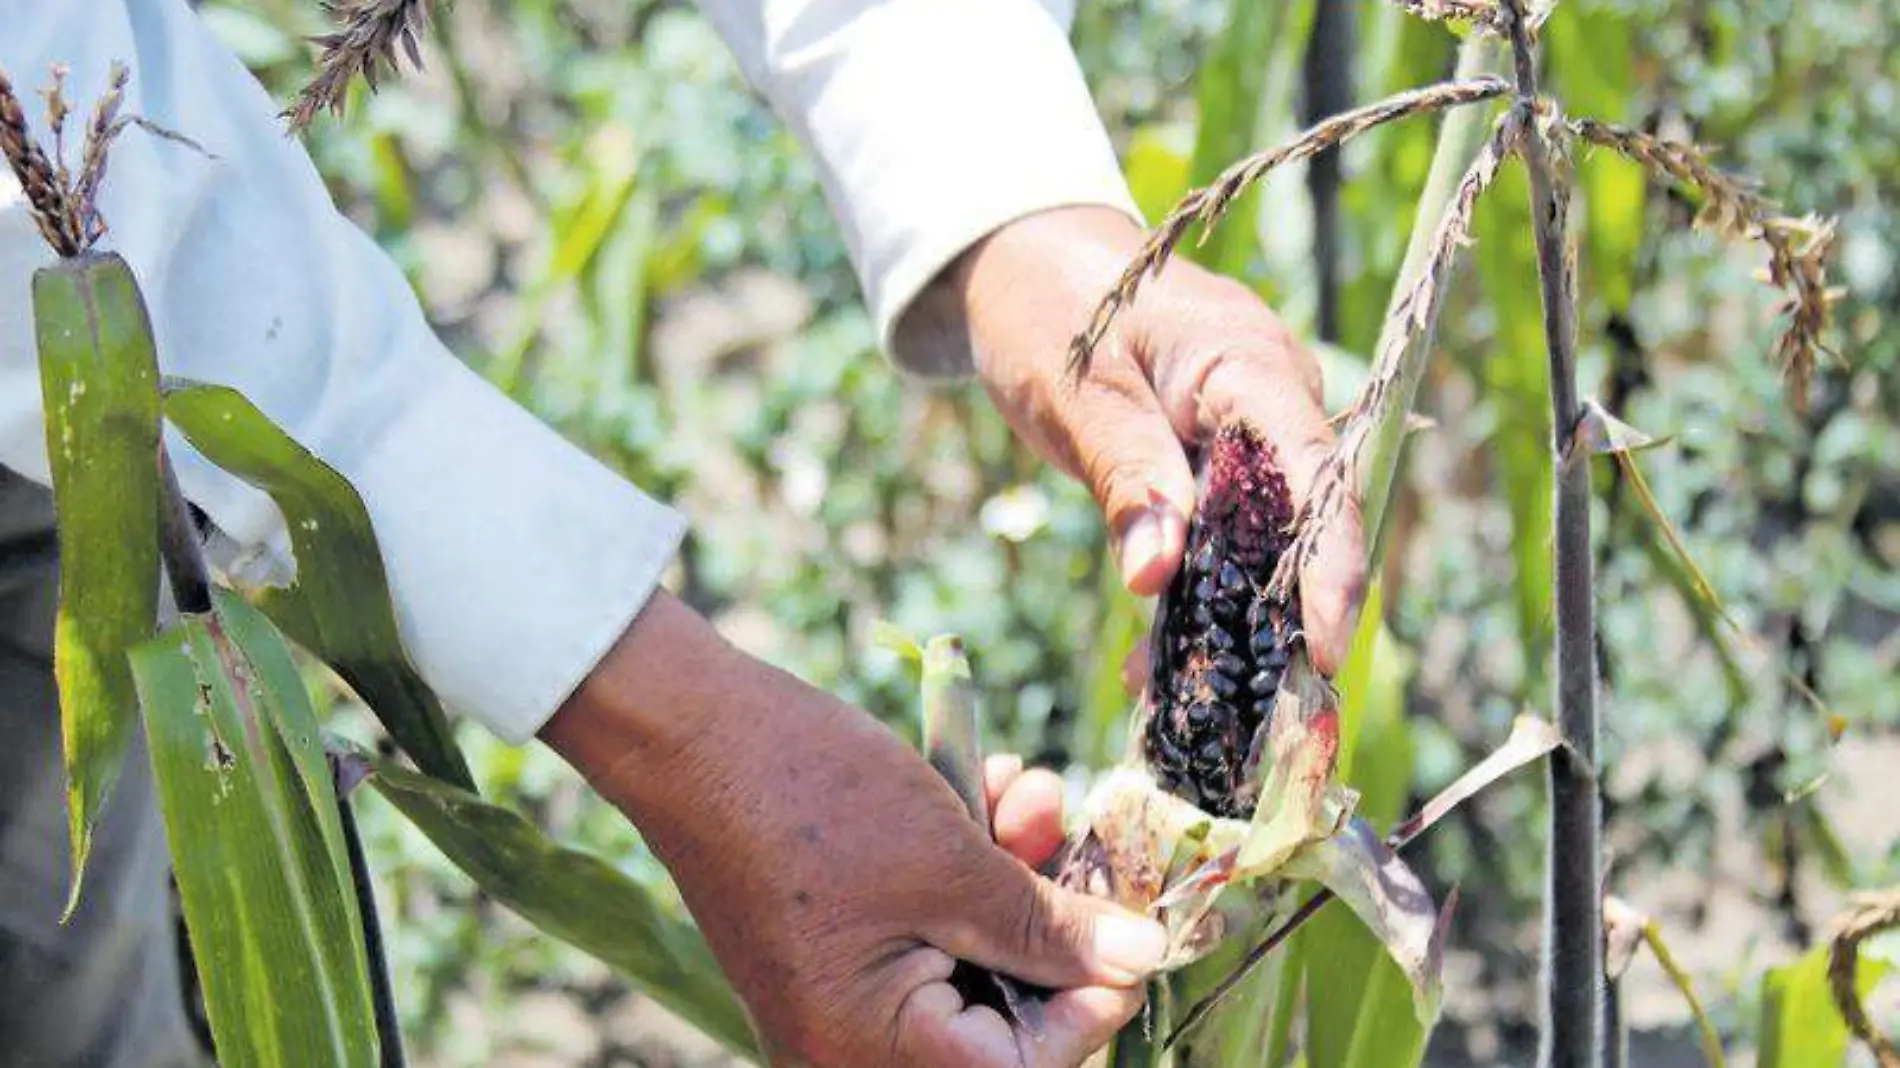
(1277, 390)
(1001, 915)
(1336, 577)
(1128, 454)
(934, 1028)
(1027, 817)
(1078, 1022)
(999, 770)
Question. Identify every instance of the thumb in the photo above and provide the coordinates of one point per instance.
(1134, 464)
(1012, 921)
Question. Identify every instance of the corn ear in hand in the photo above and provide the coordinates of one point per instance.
(1231, 802)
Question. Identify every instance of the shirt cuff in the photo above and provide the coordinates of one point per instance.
(980, 117)
(515, 560)
(557, 557)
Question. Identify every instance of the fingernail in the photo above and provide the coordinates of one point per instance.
(1004, 767)
(1129, 949)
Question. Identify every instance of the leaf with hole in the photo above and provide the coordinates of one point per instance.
(257, 844)
(339, 606)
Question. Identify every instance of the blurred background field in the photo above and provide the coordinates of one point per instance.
(601, 217)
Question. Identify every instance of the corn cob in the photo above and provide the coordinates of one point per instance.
(1220, 645)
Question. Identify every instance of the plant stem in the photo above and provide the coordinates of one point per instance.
(1573, 942)
(1616, 1050)
(388, 1024)
(178, 543)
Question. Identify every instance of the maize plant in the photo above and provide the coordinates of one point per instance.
(1226, 820)
(1228, 800)
(276, 899)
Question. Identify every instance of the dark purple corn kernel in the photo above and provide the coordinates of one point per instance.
(1204, 560)
(1221, 646)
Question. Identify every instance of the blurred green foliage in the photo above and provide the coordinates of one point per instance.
(600, 215)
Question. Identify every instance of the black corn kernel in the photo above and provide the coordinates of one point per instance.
(1216, 633)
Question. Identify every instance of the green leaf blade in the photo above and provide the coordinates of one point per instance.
(1359, 1009)
(1800, 1025)
(577, 898)
(256, 843)
(339, 608)
(99, 381)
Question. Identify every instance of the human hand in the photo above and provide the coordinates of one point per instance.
(1193, 350)
(837, 877)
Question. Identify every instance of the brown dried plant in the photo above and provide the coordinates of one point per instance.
(1206, 205)
(1797, 247)
(45, 180)
(1870, 914)
(365, 42)
(1485, 16)
(65, 206)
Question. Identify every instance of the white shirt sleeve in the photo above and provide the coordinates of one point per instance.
(515, 560)
(934, 122)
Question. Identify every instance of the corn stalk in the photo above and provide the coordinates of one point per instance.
(1572, 1035)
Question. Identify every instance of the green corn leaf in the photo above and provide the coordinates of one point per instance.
(1286, 1006)
(257, 844)
(1800, 1026)
(339, 607)
(99, 377)
(952, 740)
(1359, 1009)
(1238, 1032)
(575, 897)
(1138, 1044)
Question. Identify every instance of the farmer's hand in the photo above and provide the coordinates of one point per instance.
(837, 877)
(1191, 351)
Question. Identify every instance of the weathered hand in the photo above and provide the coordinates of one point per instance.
(1190, 352)
(837, 877)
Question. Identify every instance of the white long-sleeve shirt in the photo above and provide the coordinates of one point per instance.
(515, 560)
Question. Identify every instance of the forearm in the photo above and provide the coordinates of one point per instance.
(635, 726)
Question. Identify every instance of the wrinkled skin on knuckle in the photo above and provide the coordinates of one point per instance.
(1229, 389)
(813, 917)
(964, 895)
(1194, 337)
(1047, 930)
(834, 1008)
